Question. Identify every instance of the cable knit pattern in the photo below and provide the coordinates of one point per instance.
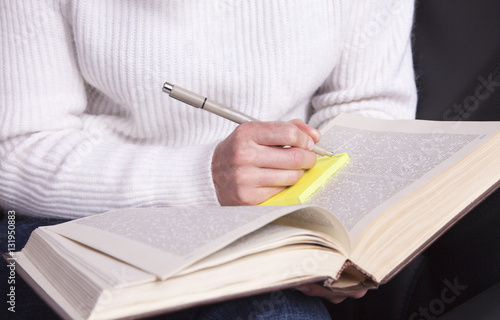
(85, 127)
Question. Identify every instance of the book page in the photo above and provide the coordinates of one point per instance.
(163, 241)
(389, 160)
(266, 238)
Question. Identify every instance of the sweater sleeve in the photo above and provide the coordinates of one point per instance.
(374, 75)
(58, 161)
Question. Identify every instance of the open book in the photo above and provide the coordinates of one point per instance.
(406, 182)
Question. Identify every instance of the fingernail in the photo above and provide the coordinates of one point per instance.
(310, 145)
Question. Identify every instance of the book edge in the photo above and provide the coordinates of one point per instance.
(442, 231)
(41, 290)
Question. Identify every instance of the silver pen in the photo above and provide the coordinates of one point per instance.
(204, 103)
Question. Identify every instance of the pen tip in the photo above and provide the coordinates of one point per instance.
(322, 151)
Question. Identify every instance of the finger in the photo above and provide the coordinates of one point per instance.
(277, 134)
(332, 296)
(263, 194)
(310, 131)
(276, 178)
(252, 177)
(318, 291)
(271, 157)
(251, 185)
(251, 196)
(283, 158)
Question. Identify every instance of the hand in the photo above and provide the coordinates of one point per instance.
(250, 166)
(332, 296)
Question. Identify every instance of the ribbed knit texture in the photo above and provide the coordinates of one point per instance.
(85, 127)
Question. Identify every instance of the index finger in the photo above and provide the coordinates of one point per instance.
(281, 134)
(310, 131)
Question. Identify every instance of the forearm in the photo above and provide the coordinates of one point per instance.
(73, 173)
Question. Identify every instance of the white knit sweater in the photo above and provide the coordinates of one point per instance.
(85, 126)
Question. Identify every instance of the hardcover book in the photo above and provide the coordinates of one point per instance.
(405, 183)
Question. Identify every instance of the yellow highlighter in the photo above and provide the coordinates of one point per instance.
(310, 182)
